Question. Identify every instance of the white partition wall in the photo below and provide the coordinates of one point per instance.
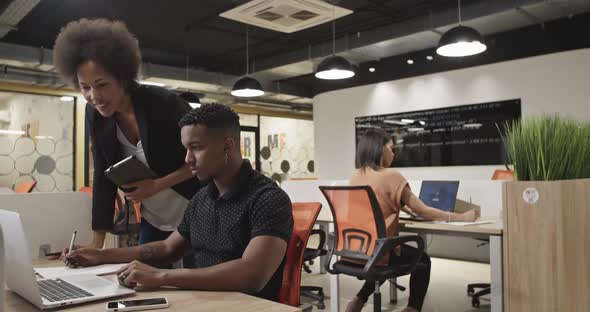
(308, 191)
(50, 218)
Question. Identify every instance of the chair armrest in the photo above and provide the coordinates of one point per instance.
(386, 245)
(322, 236)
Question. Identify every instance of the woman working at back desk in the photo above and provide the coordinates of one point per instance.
(373, 157)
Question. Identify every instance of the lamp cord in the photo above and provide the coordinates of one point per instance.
(247, 52)
(459, 5)
(334, 30)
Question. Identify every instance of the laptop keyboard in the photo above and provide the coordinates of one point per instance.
(59, 290)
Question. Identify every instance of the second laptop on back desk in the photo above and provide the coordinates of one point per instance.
(441, 195)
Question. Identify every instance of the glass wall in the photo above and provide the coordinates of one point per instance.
(286, 146)
(37, 141)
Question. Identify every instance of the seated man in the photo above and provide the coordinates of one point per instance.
(238, 226)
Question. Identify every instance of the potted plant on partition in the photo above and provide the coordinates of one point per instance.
(547, 216)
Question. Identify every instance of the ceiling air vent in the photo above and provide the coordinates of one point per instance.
(285, 15)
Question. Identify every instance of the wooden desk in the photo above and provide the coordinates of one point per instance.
(427, 227)
(180, 300)
(491, 231)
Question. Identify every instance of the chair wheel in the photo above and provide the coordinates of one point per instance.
(475, 303)
(321, 306)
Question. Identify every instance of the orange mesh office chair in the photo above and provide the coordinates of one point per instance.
(503, 175)
(360, 238)
(25, 187)
(304, 216)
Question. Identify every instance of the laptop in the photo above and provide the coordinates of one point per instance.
(441, 195)
(47, 293)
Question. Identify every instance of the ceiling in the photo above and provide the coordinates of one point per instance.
(169, 31)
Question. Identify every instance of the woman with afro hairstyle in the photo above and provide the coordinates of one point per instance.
(101, 59)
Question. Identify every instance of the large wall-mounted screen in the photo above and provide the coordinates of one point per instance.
(451, 136)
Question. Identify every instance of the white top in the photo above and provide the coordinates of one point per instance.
(165, 209)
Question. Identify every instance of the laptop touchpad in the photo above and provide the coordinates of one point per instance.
(94, 283)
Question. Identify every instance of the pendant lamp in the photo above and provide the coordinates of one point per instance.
(247, 86)
(191, 98)
(460, 41)
(334, 67)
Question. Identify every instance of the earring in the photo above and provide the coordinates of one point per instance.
(226, 158)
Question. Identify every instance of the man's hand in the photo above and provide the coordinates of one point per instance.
(136, 273)
(83, 257)
(141, 189)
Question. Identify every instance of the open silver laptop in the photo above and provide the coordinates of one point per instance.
(441, 195)
(47, 293)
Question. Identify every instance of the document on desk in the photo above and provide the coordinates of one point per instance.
(102, 269)
(457, 223)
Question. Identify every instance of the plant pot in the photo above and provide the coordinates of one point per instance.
(547, 246)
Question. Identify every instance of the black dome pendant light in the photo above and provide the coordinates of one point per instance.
(247, 86)
(334, 67)
(460, 41)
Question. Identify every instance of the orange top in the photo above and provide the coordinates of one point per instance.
(387, 184)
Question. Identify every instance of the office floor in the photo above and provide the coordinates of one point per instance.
(447, 291)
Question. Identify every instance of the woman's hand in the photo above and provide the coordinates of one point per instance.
(468, 216)
(141, 190)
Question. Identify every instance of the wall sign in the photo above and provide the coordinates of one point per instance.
(451, 136)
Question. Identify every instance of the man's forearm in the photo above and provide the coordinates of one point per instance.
(235, 275)
(151, 253)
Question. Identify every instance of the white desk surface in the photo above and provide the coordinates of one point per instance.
(180, 300)
(495, 228)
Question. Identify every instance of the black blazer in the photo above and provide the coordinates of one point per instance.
(157, 112)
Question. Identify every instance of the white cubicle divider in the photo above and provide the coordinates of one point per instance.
(485, 193)
(50, 218)
(308, 191)
(2, 269)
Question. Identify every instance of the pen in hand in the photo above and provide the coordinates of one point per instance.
(71, 245)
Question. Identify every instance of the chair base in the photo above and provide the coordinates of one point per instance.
(309, 292)
(475, 296)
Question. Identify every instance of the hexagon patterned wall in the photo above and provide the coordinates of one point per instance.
(37, 141)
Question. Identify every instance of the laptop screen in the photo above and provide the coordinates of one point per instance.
(439, 194)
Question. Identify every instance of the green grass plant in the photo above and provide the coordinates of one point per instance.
(548, 148)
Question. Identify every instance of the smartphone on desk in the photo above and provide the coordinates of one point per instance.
(137, 304)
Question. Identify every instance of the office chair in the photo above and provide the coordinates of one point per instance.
(304, 216)
(25, 187)
(360, 238)
(314, 292)
(486, 288)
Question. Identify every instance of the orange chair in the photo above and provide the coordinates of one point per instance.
(361, 240)
(503, 175)
(25, 187)
(486, 288)
(87, 190)
(118, 203)
(304, 216)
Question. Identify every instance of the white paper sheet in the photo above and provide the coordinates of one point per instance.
(102, 269)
